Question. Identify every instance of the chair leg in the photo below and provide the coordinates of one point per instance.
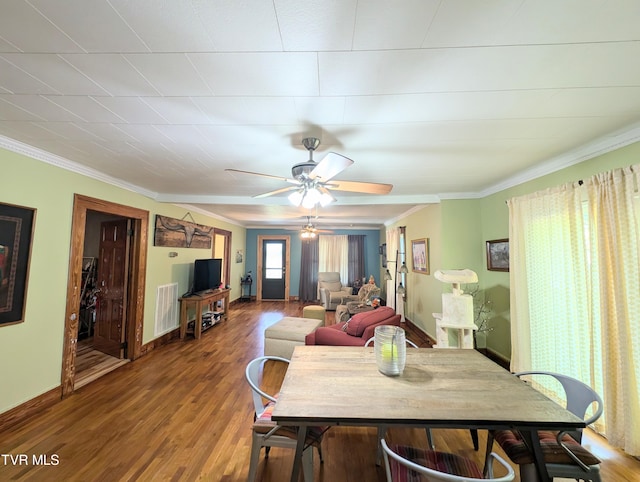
(381, 431)
(255, 456)
(430, 443)
(474, 439)
(307, 464)
(487, 455)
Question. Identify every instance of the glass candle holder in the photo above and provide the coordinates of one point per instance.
(390, 347)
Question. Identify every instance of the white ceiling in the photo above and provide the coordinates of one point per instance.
(441, 98)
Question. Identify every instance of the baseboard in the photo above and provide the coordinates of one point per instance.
(22, 412)
(500, 359)
(424, 340)
(160, 341)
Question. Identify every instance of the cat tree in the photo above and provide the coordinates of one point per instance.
(457, 309)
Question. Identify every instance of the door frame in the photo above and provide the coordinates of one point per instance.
(227, 252)
(137, 277)
(287, 278)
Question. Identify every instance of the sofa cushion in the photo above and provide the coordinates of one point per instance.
(359, 322)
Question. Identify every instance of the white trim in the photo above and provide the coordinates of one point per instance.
(63, 163)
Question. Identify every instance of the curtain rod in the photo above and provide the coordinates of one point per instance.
(580, 183)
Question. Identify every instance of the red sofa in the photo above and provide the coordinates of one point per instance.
(354, 332)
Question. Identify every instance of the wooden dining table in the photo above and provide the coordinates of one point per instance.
(439, 388)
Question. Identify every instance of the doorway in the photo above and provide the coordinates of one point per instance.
(132, 307)
(101, 345)
(273, 268)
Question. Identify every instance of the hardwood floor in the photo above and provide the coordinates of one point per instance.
(92, 364)
(184, 412)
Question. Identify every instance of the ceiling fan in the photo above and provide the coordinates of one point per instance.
(310, 231)
(313, 181)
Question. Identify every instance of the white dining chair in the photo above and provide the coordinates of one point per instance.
(401, 462)
(563, 452)
(267, 433)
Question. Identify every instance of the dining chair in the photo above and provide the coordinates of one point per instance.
(563, 453)
(403, 463)
(371, 340)
(267, 433)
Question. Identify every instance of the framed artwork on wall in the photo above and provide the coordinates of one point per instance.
(498, 255)
(16, 235)
(420, 255)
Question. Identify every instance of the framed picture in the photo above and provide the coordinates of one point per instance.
(498, 255)
(239, 256)
(16, 233)
(420, 255)
(382, 249)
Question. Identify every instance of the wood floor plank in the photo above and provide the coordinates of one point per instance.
(184, 413)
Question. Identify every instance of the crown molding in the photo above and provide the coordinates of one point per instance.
(63, 163)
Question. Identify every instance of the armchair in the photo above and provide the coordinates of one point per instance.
(331, 291)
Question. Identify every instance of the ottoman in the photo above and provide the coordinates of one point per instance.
(314, 311)
(282, 337)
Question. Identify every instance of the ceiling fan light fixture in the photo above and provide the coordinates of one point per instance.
(311, 198)
(295, 198)
(326, 199)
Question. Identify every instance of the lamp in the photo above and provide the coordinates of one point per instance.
(398, 289)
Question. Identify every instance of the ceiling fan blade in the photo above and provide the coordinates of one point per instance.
(363, 187)
(277, 191)
(329, 166)
(279, 178)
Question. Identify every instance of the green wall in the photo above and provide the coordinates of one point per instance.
(31, 352)
(458, 231)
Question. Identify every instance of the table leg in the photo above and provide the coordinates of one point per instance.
(530, 437)
(297, 460)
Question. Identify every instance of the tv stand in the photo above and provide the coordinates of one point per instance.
(205, 299)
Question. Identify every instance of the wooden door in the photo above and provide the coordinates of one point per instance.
(111, 313)
(273, 269)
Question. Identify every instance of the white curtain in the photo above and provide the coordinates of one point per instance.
(613, 217)
(545, 237)
(575, 292)
(333, 255)
(393, 240)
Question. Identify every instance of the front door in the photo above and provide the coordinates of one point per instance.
(273, 269)
(111, 313)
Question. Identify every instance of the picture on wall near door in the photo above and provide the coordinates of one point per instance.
(420, 255)
(16, 232)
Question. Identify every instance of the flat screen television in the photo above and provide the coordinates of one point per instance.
(207, 274)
